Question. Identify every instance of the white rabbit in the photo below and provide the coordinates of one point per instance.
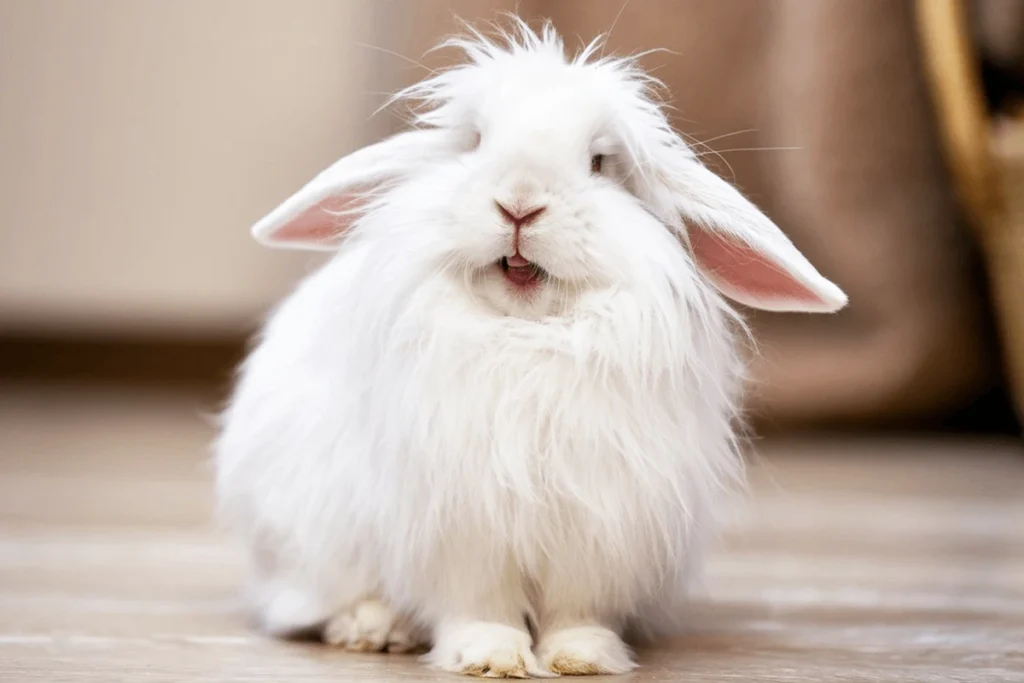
(500, 420)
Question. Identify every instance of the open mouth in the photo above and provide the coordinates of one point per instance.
(521, 273)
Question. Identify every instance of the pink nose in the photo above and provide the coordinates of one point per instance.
(521, 217)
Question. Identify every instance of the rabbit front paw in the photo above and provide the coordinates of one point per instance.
(584, 651)
(486, 649)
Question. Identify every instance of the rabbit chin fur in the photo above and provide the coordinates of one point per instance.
(415, 442)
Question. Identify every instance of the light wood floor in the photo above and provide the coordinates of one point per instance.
(854, 560)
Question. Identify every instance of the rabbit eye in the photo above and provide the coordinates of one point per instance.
(596, 163)
(474, 140)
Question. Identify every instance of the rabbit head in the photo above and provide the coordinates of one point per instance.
(533, 178)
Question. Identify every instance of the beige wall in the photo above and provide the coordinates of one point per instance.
(139, 140)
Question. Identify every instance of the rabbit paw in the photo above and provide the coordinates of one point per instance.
(584, 651)
(371, 626)
(486, 649)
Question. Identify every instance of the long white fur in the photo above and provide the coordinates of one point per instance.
(408, 431)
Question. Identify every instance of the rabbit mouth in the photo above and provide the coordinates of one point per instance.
(521, 273)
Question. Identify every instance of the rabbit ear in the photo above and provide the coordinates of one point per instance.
(744, 254)
(318, 216)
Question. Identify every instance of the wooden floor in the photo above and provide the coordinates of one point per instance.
(854, 560)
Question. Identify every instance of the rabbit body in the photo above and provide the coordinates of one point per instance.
(461, 465)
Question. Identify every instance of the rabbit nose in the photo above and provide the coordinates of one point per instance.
(520, 216)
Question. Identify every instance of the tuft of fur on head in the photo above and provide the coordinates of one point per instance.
(447, 98)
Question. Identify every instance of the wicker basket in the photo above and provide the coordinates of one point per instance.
(1004, 248)
(987, 163)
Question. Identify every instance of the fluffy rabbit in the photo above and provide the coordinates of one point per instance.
(501, 419)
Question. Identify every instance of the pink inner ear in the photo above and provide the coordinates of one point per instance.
(323, 223)
(743, 270)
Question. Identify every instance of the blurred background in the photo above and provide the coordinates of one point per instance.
(139, 140)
